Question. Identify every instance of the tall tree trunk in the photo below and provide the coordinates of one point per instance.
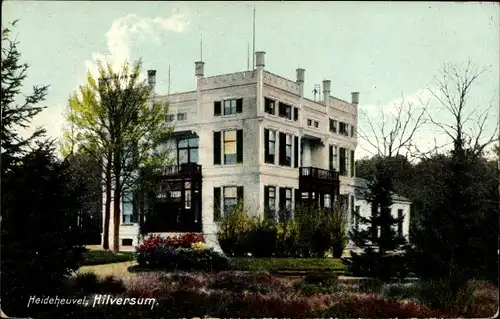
(107, 207)
(117, 203)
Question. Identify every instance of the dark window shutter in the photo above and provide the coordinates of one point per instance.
(239, 105)
(266, 145)
(296, 151)
(239, 194)
(298, 198)
(331, 125)
(217, 148)
(217, 200)
(295, 113)
(266, 203)
(330, 156)
(217, 108)
(281, 109)
(282, 149)
(239, 146)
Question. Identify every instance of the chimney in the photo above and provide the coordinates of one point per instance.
(326, 91)
(260, 59)
(199, 68)
(355, 98)
(152, 80)
(300, 80)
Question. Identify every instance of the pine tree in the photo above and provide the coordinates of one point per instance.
(377, 237)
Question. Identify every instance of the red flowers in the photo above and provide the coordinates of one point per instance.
(182, 241)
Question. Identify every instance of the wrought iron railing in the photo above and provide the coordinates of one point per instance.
(314, 172)
(183, 169)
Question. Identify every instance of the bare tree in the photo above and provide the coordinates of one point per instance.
(454, 84)
(393, 134)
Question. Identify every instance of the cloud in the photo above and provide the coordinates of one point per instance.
(132, 29)
(372, 116)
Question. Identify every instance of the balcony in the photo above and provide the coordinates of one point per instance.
(182, 171)
(319, 173)
(317, 179)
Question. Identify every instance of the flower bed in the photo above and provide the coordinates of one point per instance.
(187, 252)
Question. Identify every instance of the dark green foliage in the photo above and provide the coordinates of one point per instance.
(169, 258)
(316, 283)
(39, 243)
(39, 231)
(377, 236)
(101, 257)
(288, 264)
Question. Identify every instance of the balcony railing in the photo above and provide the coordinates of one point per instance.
(319, 173)
(183, 169)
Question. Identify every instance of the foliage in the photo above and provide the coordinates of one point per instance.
(113, 121)
(311, 233)
(244, 283)
(234, 231)
(177, 253)
(39, 233)
(88, 283)
(316, 283)
(16, 115)
(102, 257)
(377, 236)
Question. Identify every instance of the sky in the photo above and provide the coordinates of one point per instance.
(390, 52)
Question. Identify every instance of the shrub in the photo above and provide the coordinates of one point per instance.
(88, 283)
(288, 238)
(263, 238)
(372, 307)
(234, 231)
(317, 283)
(371, 285)
(262, 283)
(185, 240)
(166, 257)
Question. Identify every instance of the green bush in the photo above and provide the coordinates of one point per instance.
(234, 231)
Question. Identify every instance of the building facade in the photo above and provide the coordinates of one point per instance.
(250, 137)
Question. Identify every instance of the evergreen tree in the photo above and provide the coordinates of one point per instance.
(39, 239)
(377, 236)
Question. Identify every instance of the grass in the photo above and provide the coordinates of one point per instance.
(289, 264)
(119, 270)
(102, 257)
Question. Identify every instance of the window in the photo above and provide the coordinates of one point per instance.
(232, 196)
(327, 201)
(352, 162)
(270, 146)
(309, 122)
(170, 118)
(187, 195)
(127, 242)
(333, 126)
(332, 150)
(230, 107)
(343, 162)
(187, 150)
(230, 147)
(295, 114)
(285, 151)
(352, 131)
(344, 128)
(286, 201)
(316, 124)
(400, 222)
(270, 106)
(128, 209)
(344, 202)
(285, 110)
(181, 116)
(229, 143)
(270, 202)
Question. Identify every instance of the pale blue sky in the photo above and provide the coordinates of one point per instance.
(380, 49)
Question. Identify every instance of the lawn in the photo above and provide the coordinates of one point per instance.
(101, 257)
(289, 264)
